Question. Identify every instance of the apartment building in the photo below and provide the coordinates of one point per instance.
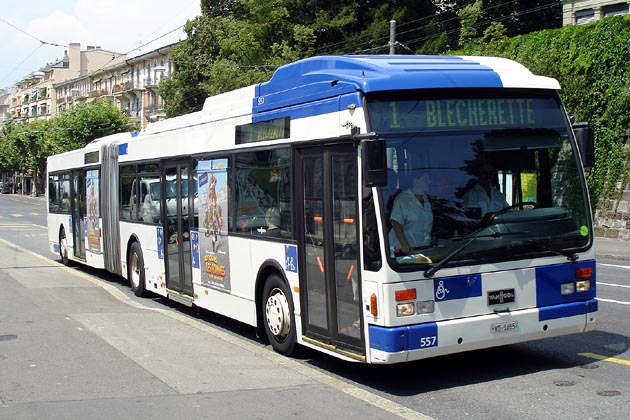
(33, 97)
(580, 12)
(130, 83)
(4, 105)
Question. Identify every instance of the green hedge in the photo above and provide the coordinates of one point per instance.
(592, 64)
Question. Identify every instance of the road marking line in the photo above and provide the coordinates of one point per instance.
(614, 265)
(347, 388)
(613, 285)
(605, 358)
(17, 215)
(621, 302)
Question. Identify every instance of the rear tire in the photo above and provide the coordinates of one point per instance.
(135, 270)
(278, 318)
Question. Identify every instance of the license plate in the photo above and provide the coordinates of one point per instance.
(504, 327)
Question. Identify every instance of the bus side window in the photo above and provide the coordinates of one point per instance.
(126, 197)
(262, 184)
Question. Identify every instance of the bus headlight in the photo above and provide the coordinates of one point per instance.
(567, 288)
(405, 309)
(583, 285)
(426, 307)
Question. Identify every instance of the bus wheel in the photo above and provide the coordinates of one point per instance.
(63, 248)
(278, 316)
(135, 270)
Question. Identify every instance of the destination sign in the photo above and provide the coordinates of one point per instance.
(464, 114)
(479, 112)
(278, 128)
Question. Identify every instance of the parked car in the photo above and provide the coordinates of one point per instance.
(7, 187)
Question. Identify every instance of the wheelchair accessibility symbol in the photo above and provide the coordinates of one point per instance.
(441, 291)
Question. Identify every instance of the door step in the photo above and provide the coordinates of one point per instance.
(180, 298)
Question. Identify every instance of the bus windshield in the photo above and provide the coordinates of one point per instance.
(478, 177)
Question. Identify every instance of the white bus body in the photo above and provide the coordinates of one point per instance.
(271, 220)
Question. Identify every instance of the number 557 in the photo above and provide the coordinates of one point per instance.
(428, 341)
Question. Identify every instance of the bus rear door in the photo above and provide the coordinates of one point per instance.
(328, 232)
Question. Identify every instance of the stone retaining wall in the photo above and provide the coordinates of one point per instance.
(612, 218)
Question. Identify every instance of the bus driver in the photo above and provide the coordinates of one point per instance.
(411, 215)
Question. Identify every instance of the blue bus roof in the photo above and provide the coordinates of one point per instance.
(328, 76)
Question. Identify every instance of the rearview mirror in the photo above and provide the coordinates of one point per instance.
(374, 162)
(585, 140)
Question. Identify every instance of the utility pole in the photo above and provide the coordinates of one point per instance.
(392, 37)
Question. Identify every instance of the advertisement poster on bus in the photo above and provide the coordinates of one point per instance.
(213, 210)
(92, 198)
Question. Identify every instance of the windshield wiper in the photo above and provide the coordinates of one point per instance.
(471, 238)
(489, 218)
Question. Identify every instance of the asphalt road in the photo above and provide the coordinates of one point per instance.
(75, 343)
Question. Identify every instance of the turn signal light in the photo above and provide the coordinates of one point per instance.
(373, 308)
(409, 294)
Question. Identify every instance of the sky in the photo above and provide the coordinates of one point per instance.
(29, 27)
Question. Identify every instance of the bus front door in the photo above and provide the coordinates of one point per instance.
(78, 208)
(176, 202)
(328, 237)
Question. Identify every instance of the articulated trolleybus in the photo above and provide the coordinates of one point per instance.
(376, 208)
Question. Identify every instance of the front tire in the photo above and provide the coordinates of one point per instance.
(135, 270)
(278, 316)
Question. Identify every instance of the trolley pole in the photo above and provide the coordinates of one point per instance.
(392, 37)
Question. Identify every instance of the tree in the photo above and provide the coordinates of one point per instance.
(235, 43)
(24, 147)
(470, 17)
(517, 17)
(79, 125)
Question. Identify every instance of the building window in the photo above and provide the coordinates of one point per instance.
(615, 9)
(582, 17)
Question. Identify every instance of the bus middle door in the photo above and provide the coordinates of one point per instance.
(328, 237)
(78, 209)
(176, 204)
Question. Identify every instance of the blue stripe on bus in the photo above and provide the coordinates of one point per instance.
(422, 336)
(321, 107)
(457, 287)
(567, 310)
(550, 278)
(405, 338)
(316, 78)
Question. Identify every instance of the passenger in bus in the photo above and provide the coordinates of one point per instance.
(65, 202)
(272, 219)
(148, 209)
(411, 215)
(485, 195)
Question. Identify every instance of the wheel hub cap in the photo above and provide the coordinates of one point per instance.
(277, 310)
